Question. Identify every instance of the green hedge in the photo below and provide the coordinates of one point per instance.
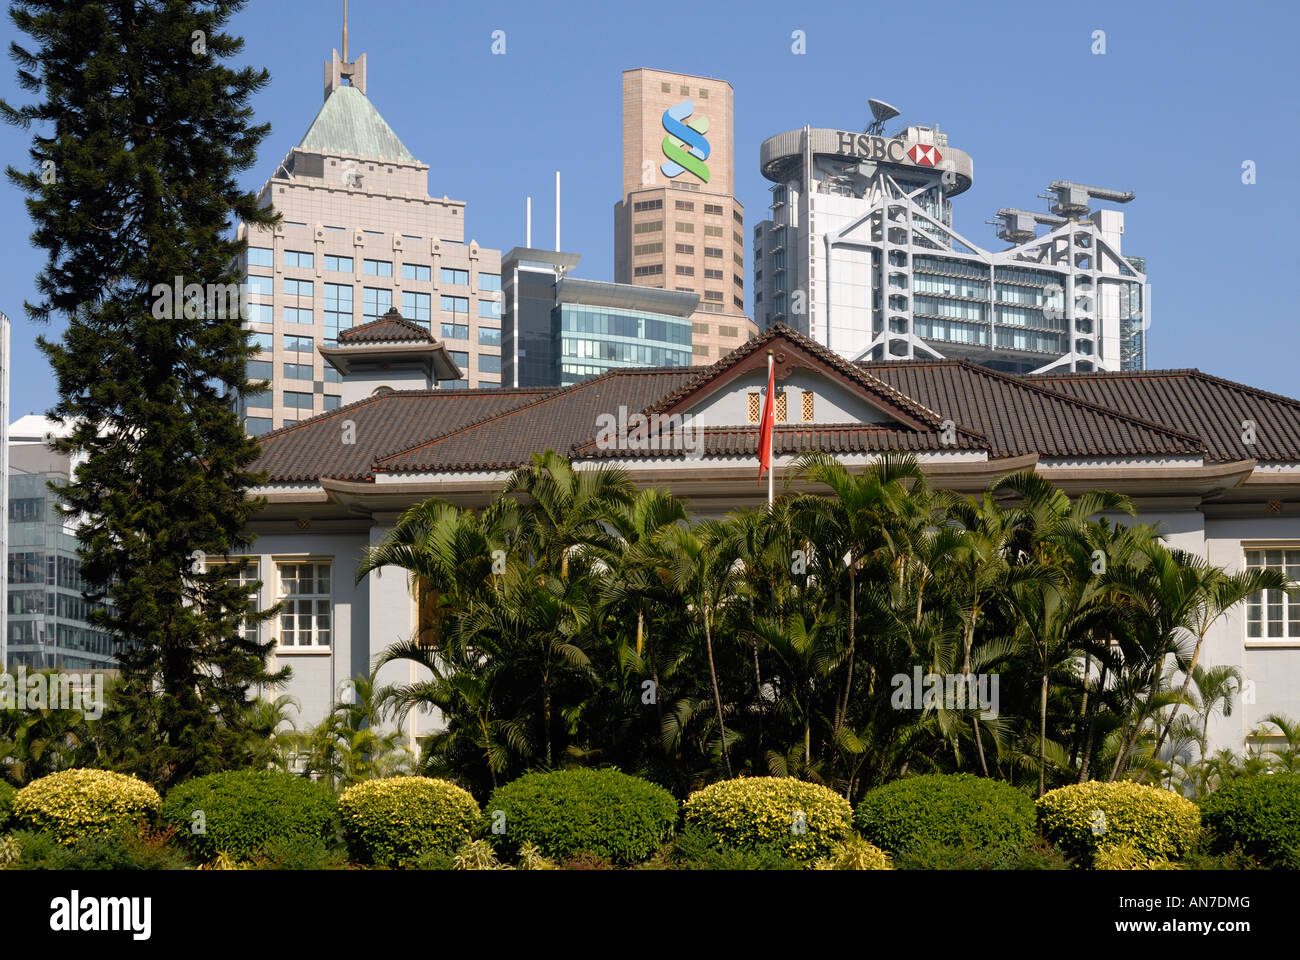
(566, 813)
(804, 820)
(398, 820)
(6, 804)
(958, 810)
(74, 804)
(1260, 814)
(1084, 818)
(239, 812)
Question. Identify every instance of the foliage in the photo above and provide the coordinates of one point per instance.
(11, 849)
(1084, 818)
(696, 849)
(145, 189)
(937, 855)
(6, 804)
(126, 847)
(569, 812)
(855, 854)
(241, 812)
(1126, 856)
(395, 821)
(956, 810)
(351, 744)
(73, 804)
(1259, 815)
(476, 855)
(803, 819)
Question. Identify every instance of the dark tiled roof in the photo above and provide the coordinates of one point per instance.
(308, 450)
(1020, 416)
(1197, 403)
(392, 327)
(794, 439)
(559, 421)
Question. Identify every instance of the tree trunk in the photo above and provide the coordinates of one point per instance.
(1042, 736)
(717, 695)
(1092, 729)
(1187, 682)
(842, 712)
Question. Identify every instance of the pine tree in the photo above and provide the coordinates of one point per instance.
(139, 133)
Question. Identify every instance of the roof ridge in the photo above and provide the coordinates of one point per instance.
(1021, 381)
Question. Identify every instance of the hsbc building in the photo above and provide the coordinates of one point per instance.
(861, 255)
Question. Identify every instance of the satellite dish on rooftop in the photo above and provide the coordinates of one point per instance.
(882, 112)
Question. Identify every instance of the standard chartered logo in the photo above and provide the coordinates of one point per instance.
(685, 146)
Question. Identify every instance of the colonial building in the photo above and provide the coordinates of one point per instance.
(1215, 464)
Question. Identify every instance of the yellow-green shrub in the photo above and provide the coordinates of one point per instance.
(1157, 823)
(855, 854)
(804, 820)
(394, 821)
(72, 804)
(1125, 856)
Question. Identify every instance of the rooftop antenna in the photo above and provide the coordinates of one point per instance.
(881, 112)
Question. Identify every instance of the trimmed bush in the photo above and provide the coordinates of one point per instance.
(1260, 815)
(242, 811)
(932, 855)
(566, 813)
(959, 810)
(803, 820)
(1083, 818)
(73, 804)
(399, 820)
(6, 804)
(129, 847)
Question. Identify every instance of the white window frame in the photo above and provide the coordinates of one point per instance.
(1290, 604)
(278, 563)
(251, 574)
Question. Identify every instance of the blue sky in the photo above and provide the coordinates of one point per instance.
(1183, 95)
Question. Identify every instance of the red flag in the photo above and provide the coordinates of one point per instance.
(767, 423)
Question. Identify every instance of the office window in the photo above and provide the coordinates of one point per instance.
(489, 337)
(704, 94)
(665, 88)
(740, 261)
(261, 257)
(331, 375)
(416, 271)
(700, 349)
(460, 358)
(333, 401)
(641, 249)
(490, 282)
(297, 401)
(377, 268)
(713, 209)
(728, 333)
(298, 315)
(454, 304)
(256, 426)
(297, 371)
(415, 307)
(736, 279)
(338, 310)
(260, 340)
(640, 206)
(305, 614)
(297, 288)
(453, 384)
(712, 294)
(685, 205)
(299, 344)
(701, 328)
(715, 252)
(263, 286)
(686, 248)
(375, 302)
(711, 274)
(650, 270)
(739, 302)
(1272, 614)
(684, 227)
(260, 370)
(261, 313)
(738, 217)
(712, 231)
(685, 271)
(649, 226)
(489, 309)
(455, 331)
(338, 264)
(261, 399)
(738, 239)
(453, 276)
(298, 258)
(488, 363)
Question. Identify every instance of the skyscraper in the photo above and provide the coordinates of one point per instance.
(861, 255)
(361, 235)
(679, 225)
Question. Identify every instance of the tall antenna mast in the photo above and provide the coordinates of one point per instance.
(345, 31)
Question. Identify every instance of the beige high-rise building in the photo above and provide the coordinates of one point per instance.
(679, 225)
(361, 235)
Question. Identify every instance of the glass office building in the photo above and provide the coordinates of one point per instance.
(594, 339)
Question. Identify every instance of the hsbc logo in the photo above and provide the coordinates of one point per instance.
(924, 156)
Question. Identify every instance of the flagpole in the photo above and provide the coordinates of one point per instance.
(771, 469)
